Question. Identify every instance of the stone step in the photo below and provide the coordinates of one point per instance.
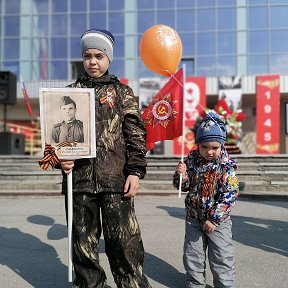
(20, 174)
(28, 185)
(31, 175)
(12, 187)
(19, 166)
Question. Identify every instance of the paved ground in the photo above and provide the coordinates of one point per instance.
(33, 242)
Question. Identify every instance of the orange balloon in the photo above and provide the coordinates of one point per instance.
(161, 49)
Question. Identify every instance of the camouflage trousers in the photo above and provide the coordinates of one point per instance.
(123, 242)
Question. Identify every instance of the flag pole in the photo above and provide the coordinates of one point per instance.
(183, 129)
(26, 98)
(70, 221)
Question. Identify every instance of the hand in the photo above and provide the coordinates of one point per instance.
(208, 227)
(67, 166)
(181, 167)
(131, 186)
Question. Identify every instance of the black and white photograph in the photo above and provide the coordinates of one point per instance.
(67, 121)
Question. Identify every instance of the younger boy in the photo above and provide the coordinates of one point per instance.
(209, 177)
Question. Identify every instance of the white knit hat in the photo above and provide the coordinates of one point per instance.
(102, 40)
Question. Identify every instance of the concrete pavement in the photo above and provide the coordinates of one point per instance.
(33, 242)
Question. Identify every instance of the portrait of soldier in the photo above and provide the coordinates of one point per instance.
(70, 129)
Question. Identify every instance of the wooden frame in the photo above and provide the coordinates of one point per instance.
(51, 118)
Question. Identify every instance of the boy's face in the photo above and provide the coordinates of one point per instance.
(210, 150)
(68, 112)
(95, 62)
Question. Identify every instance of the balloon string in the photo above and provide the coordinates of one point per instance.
(172, 75)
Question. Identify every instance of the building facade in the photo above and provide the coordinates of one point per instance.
(39, 42)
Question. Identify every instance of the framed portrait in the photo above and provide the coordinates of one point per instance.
(67, 117)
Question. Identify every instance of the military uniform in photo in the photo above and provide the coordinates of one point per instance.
(68, 131)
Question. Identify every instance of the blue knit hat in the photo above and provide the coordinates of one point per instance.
(211, 129)
(102, 40)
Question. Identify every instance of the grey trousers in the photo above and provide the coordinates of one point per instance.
(220, 254)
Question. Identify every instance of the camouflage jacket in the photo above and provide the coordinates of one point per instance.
(120, 138)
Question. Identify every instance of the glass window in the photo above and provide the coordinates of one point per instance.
(257, 18)
(35, 70)
(162, 4)
(59, 48)
(278, 17)
(43, 67)
(116, 22)
(12, 7)
(117, 68)
(75, 51)
(116, 5)
(11, 49)
(26, 70)
(143, 71)
(35, 51)
(79, 6)
(185, 4)
(26, 7)
(226, 19)
(206, 66)
(99, 5)
(25, 53)
(145, 21)
(44, 50)
(59, 6)
(119, 47)
(78, 24)
(258, 64)
(258, 42)
(59, 25)
(279, 41)
(12, 66)
(59, 70)
(278, 2)
(41, 24)
(226, 66)
(241, 18)
(226, 3)
(97, 20)
(26, 26)
(40, 6)
(166, 18)
(205, 43)
(257, 2)
(279, 64)
(226, 43)
(189, 66)
(206, 19)
(188, 43)
(11, 26)
(146, 4)
(185, 20)
(205, 3)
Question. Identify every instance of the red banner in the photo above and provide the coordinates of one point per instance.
(163, 117)
(194, 105)
(268, 114)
